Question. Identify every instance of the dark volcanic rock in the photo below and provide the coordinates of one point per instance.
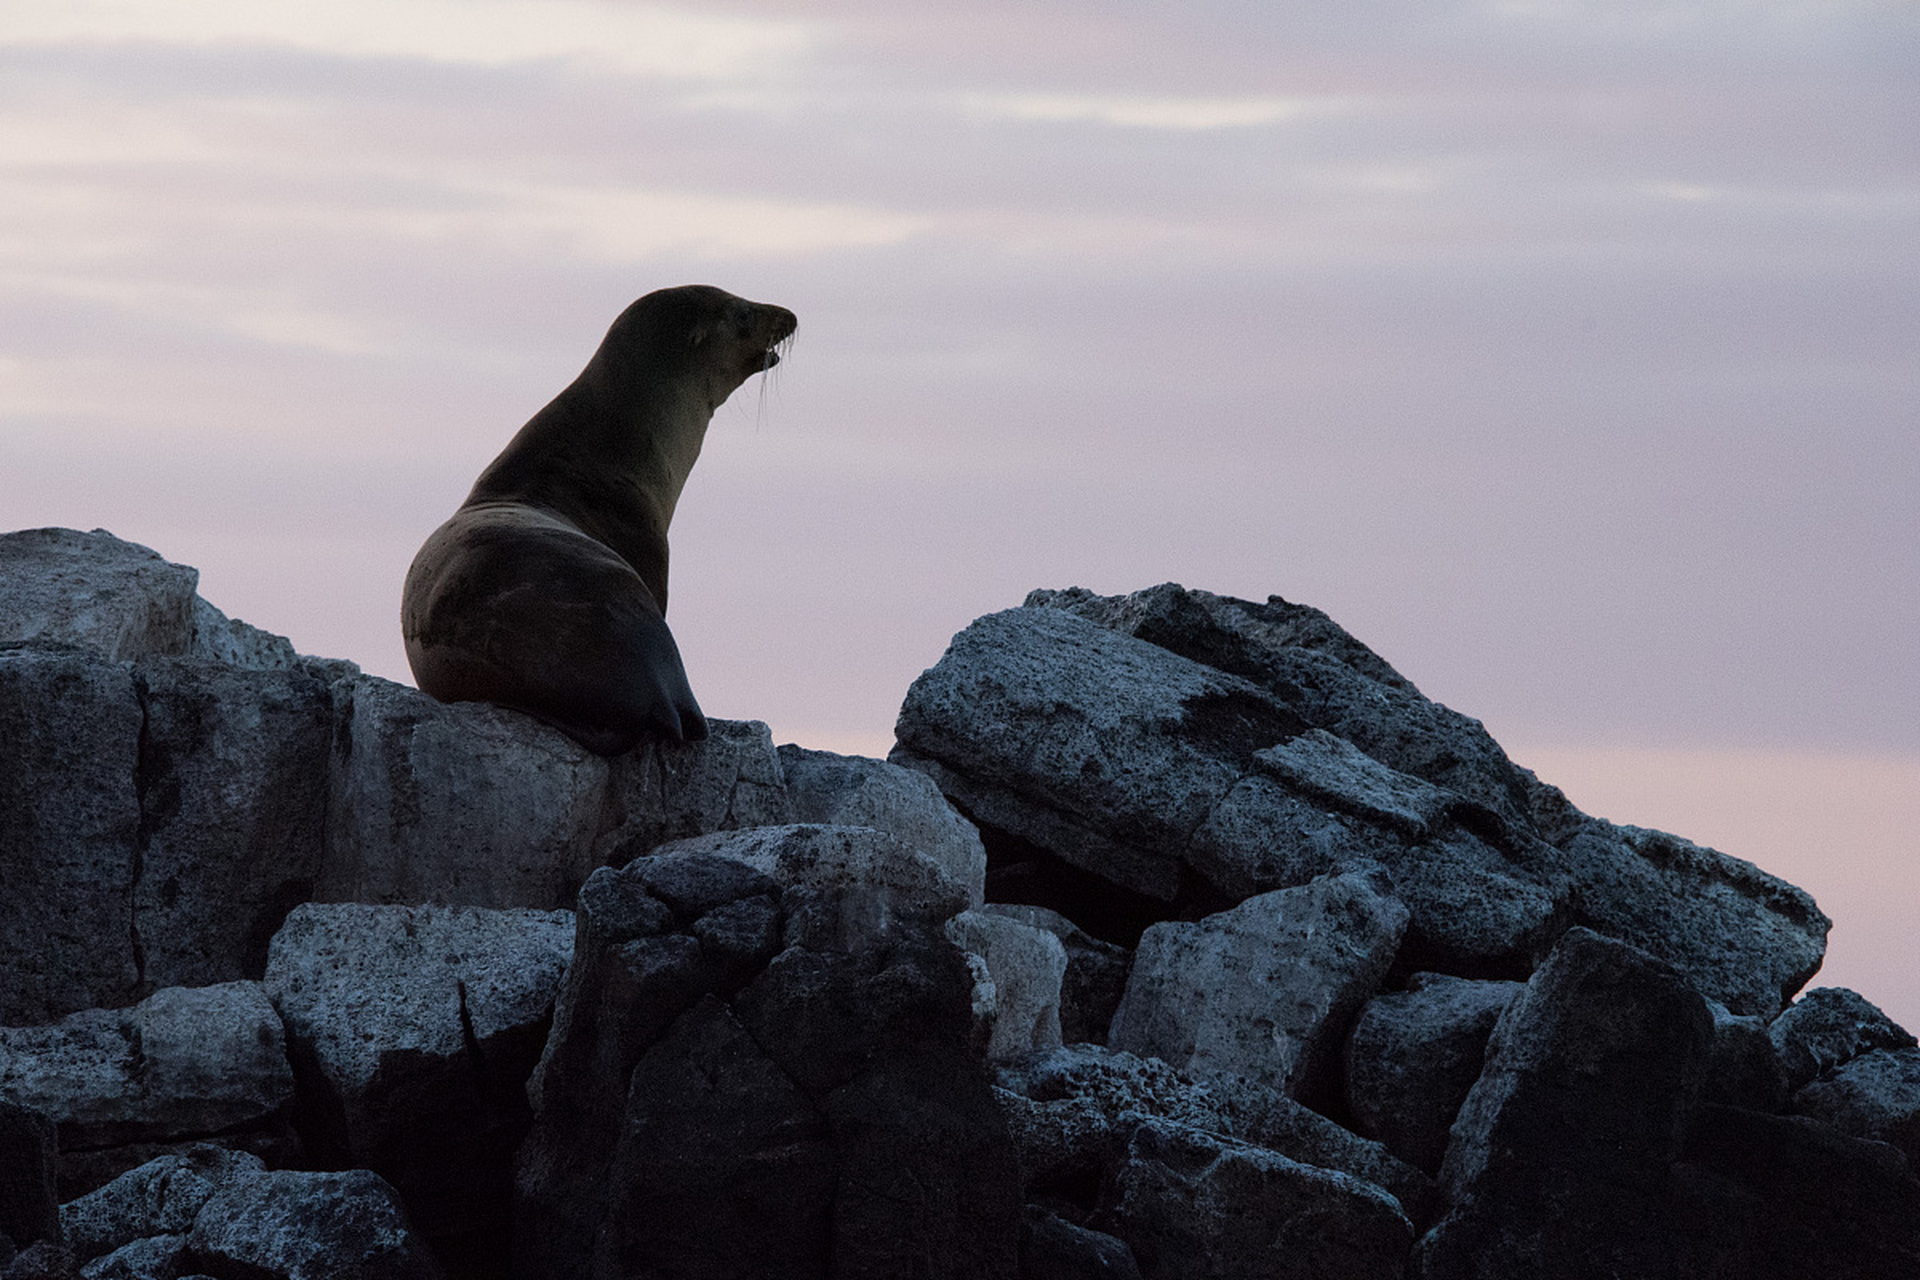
(160, 1198)
(308, 1226)
(29, 1208)
(1876, 1095)
(1096, 975)
(1743, 1070)
(1072, 1113)
(1265, 990)
(1561, 1159)
(1323, 675)
(1412, 1057)
(1783, 1198)
(415, 1030)
(793, 1099)
(1827, 1028)
(186, 1065)
(69, 833)
(1194, 1205)
(233, 797)
(1051, 1248)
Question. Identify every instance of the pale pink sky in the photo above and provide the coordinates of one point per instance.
(1564, 352)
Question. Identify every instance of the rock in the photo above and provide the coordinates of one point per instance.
(61, 586)
(1744, 938)
(185, 1065)
(1191, 1204)
(283, 1225)
(415, 1030)
(1876, 1095)
(1412, 1057)
(149, 1258)
(760, 1056)
(854, 791)
(1051, 1248)
(1101, 749)
(1783, 1198)
(1262, 991)
(29, 1206)
(663, 791)
(1096, 975)
(1561, 1158)
(159, 1198)
(1827, 1028)
(1323, 675)
(1072, 1113)
(233, 796)
(1026, 966)
(852, 877)
(69, 833)
(465, 804)
(45, 1260)
(1742, 1068)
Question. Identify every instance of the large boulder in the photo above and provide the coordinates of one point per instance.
(414, 1030)
(184, 1066)
(1828, 1027)
(1323, 675)
(1264, 990)
(759, 1065)
(1876, 1095)
(1412, 1057)
(1072, 1113)
(70, 832)
(854, 791)
(1561, 1162)
(233, 799)
(162, 1197)
(283, 1225)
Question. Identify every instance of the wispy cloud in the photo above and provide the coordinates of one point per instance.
(637, 38)
(1128, 111)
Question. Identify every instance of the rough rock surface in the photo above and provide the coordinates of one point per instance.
(415, 1030)
(854, 791)
(1025, 964)
(770, 1057)
(1262, 991)
(1193, 1205)
(183, 1066)
(1828, 1027)
(1096, 975)
(308, 1226)
(69, 832)
(759, 1065)
(1561, 1159)
(1413, 1055)
(1876, 1095)
(1073, 1111)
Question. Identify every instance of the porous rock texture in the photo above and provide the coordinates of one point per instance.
(1179, 937)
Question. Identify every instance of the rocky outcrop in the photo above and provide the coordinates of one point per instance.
(1181, 936)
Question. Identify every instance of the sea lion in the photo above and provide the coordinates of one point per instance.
(546, 591)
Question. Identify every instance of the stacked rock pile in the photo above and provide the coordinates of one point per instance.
(1179, 937)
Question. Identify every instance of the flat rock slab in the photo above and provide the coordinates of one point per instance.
(125, 1085)
(1262, 991)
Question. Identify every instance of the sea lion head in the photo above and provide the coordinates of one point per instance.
(694, 332)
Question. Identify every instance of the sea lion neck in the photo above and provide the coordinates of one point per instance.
(610, 459)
